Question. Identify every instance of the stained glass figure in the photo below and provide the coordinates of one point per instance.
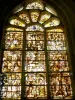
(34, 16)
(24, 16)
(57, 55)
(60, 84)
(14, 40)
(44, 17)
(35, 79)
(35, 66)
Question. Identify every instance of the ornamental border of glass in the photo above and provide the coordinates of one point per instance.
(35, 58)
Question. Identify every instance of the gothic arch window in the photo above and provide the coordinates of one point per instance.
(35, 57)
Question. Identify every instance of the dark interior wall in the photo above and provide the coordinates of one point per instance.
(66, 12)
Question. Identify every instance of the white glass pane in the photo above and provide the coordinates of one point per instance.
(35, 5)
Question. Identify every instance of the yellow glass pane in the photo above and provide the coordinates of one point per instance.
(13, 44)
(12, 56)
(17, 22)
(55, 30)
(58, 66)
(33, 92)
(12, 66)
(13, 29)
(55, 36)
(34, 16)
(39, 79)
(7, 95)
(57, 55)
(12, 79)
(35, 66)
(25, 17)
(60, 86)
(56, 45)
(34, 36)
(14, 40)
(44, 17)
(53, 22)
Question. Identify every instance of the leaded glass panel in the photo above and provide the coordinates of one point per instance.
(35, 66)
(34, 16)
(52, 22)
(34, 28)
(35, 92)
(24, 16)
(44, 17)
(14, 40)
(35, 79)
(17, 22)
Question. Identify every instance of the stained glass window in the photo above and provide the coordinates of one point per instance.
(35, 55)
